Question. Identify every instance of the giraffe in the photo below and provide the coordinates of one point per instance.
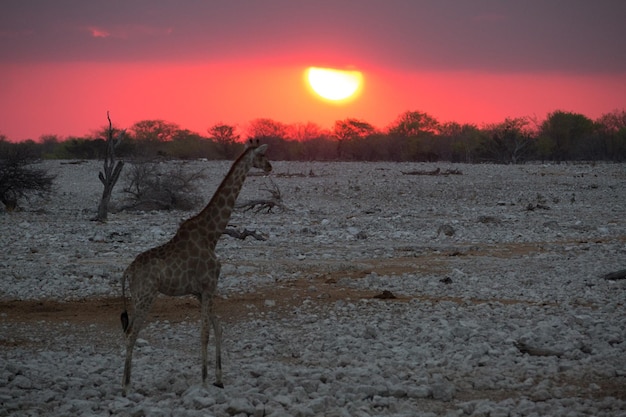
(187, 264)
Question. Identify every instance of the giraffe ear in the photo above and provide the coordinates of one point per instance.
(261, 149)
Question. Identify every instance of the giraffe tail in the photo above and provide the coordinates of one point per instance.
(124, 319)
(124, 315)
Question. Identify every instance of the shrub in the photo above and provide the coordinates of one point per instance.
(150, 186)
(18, 178)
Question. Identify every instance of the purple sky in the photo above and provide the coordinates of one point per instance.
(549, 35)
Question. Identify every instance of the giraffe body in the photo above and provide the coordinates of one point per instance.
(187, 265)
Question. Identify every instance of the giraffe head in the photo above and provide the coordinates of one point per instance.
(259, 160)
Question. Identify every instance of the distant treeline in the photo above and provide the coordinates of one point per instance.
(413, 136)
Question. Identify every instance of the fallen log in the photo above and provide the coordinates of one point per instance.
(615, 275)
(436, 171)
(536, 351)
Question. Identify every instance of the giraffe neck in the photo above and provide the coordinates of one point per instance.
(214, 218)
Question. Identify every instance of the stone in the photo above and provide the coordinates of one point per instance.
(443, 391)
(20, 381)
(240, 405)
(420, 391)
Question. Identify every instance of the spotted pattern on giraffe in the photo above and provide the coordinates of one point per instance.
(187, 265)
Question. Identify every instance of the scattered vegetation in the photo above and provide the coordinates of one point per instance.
(18, 177)
(413, 136)
(154, 186)
(265, 204)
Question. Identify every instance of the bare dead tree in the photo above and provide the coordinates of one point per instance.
(112, 170)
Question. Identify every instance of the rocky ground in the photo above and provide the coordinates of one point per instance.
(477, 290)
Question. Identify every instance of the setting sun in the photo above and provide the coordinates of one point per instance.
(333, 84)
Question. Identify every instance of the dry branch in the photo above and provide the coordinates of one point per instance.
(258, 205)
(436, 171)
(243, 235)
(276, 200)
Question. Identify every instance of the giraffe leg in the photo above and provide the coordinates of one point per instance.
(142, 307)
(217, 329)
(205, 306)
(210, 319)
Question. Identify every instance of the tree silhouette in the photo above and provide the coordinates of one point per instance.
(225, 138)
(266, 128)
(613, 121)
(412, 136)
(413, 124)
(154, 130)
(612, 130)
(151, 137)
(566, 131)
(458, 143)
(511, 141)
(306, 131)
(350, 130)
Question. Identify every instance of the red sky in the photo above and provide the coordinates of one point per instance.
(63, 64)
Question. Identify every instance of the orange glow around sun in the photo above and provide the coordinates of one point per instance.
(333, 84)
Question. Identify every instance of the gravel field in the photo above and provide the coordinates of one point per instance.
(478, 290)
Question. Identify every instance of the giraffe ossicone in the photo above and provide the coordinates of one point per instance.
(187, 264)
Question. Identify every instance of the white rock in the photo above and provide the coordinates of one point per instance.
(443, 391)
(197, 397)
(240, 405)
(283, 400)
(20, 381)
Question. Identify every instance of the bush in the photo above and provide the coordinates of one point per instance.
(18, 178)
(152, 187)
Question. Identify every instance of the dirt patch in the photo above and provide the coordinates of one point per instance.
(106, 311)
(280, 299)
